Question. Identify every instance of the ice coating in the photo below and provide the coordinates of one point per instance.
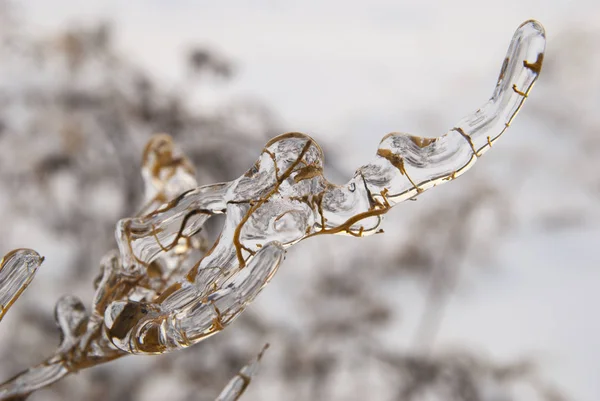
(17, 269)
(426, 162)
(165, 290)
(283, 199)
(166, 172)
(238, 385)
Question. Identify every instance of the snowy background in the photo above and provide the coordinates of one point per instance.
(524, 286)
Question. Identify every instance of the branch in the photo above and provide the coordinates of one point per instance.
(163, 290)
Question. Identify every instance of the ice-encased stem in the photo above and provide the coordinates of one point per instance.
(17, 269)
(240, 382)
(163, 291)
(284, 198)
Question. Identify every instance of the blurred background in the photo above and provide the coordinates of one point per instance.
(486, 289)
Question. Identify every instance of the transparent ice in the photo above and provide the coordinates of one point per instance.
(164, 289)
(17, 269)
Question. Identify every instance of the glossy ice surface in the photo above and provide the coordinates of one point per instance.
(285, 198)
(17, 269)
(165, 289)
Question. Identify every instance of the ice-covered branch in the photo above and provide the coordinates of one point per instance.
(17, 269)
(240, 382)
(284, 198)
(164, 290)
